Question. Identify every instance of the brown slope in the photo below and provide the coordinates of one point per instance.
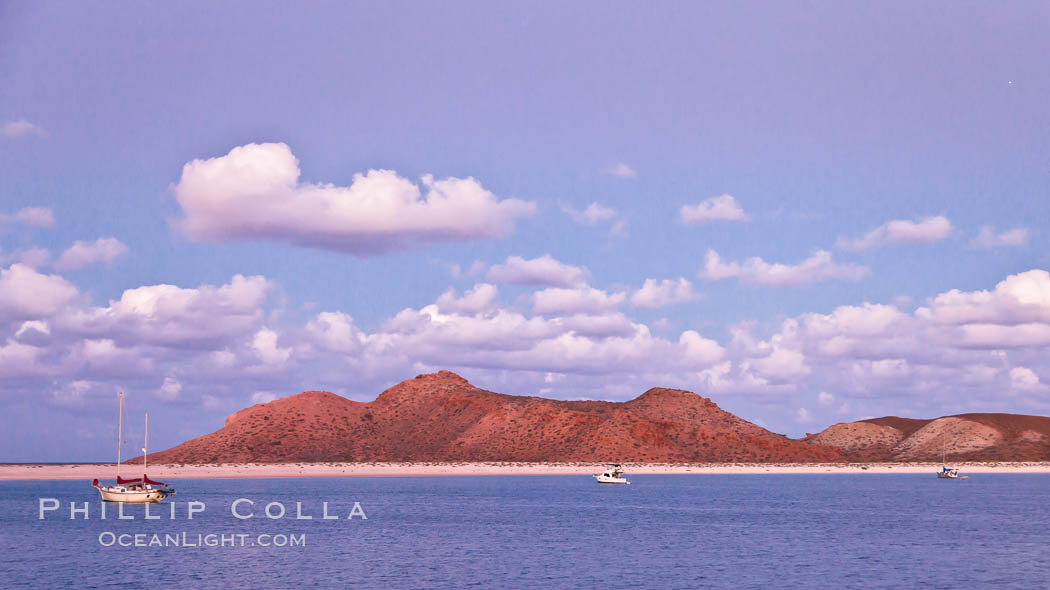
(962, 437)
(442, 417)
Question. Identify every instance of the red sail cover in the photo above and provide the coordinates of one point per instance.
(146, 479)
(121, 480)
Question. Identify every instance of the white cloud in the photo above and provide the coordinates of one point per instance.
(959, 346)
(31, 257)
(1025, 379)
(170, 389)
(802, 416)
(987, 238)
(594, 214)
(476, 268)
(545, 271)
(556, 300)
(19, 359)
(335, 332)
(621, 170)
(31, 216)
(265, 345)
(104, 359)
(82, 254)
(597, 326)
(1022, 298)
(254, 192)
(29, 326)
(755, 271)
(167, 315)
(723, 208)
(73, 394)
(27, 294)
(901, 231)
(663, 293)
(262, 397)
(21, 128)
(476, 300)
(508, 340)
(591, 215)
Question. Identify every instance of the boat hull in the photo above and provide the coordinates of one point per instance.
(132, 497)
(611, 480)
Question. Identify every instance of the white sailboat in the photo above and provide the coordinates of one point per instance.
(139, 490)
(947, 472)
(614, 474)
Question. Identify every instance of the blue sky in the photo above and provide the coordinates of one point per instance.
(865, 149)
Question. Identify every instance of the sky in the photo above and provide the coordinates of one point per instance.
(810, 214)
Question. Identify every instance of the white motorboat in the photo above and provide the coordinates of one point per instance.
(614, 474)
(138, 490)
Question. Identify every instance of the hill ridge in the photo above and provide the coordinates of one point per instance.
(442, 417)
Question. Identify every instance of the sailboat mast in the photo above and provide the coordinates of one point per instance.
(120, 427)
(145, 445)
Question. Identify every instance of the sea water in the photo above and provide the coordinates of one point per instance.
(663, 531)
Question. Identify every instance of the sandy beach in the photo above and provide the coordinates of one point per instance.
(15, 472)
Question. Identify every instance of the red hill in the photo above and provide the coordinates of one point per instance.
(442, 417)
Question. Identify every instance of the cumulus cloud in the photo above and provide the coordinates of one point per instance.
(254, 192)
(556, 300)
(167, 315)
(901, 231)
(723, 208)
(1019, 299)
(594, 214)
(654, 294)
(21, 128)
(31, 216)
(262, 397)
(266, 347)
(591, 215)
(977, 343)
(31, 257)
(987, 238)
(19, 359)
(336, 332)
(170, 389)
(476, 300)
(961, 343)
(82, 254)
(27, 294)
(508, 340)
(621, 170)
(543, 271)
(1025, 379)
(755, 271)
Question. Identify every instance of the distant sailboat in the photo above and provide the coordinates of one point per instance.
(136, 490)
(947, 472)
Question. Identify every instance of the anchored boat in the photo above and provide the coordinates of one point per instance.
(947, 472)
(614, 474)
(138, 490)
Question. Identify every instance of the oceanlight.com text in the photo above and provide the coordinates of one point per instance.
(193, 540)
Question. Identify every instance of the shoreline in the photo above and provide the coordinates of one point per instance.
(31, 472)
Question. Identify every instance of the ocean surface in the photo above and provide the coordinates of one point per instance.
(673, 531)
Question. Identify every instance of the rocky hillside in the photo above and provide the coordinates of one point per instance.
(964, 437)
(442, 417)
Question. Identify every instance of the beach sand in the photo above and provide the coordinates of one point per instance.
(15, 472)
